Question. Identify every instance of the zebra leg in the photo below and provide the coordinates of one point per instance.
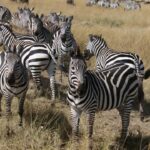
(125, 118)
(75, 115)
(0, 104)
(141, 98)
(90, 120)
(37, 79)
(21, 108)
(51, 72)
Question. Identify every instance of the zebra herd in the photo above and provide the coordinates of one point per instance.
(127, 4)
(116, 83)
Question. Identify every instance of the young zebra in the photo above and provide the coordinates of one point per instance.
(13, 81)
(105, 57)
(90, 91)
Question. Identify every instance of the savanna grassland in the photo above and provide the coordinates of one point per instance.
(49, 128)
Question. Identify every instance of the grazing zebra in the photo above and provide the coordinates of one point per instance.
(5, 14)
(38, 30)
(90, 91)
(114, 5)
(13, 81)
(105, 57)
(103, 3)
(36, 57)
(132, 5)
(91, 2)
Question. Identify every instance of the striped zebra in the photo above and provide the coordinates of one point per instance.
(37, 29)
(13, 81)
(64, 42)
(25, 38)
(132, 5)
(5, 14)
(36, 57)
(21, 17)
(105, 57)
(51, 21)
(90, 91)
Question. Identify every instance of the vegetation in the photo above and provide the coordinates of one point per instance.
(49, 128)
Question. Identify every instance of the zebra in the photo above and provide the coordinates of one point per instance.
(91, 91)
(91, 2)
(51, 22)
(132, 5)
(64, 42)
(114, 5)
(36, 57)
(21, 17)
(38, 30)
(103, 3)
(5, 14)
(13, 81)
(105, 57)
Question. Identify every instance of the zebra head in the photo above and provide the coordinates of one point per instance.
(13, 64)
(94, 45)
(35, 24)
(5, 14)
(63, 41)
(21, 18)
(54, 17)
(77, 69)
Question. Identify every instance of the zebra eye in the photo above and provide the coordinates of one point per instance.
(73, 68)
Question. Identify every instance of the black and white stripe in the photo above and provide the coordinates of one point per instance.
(106, 57)
(38, 30)
(89, 91)
(13, 81)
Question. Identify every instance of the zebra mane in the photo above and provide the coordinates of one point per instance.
(98, 37)
(77, 54)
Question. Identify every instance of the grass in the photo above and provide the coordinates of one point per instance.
(49, 128)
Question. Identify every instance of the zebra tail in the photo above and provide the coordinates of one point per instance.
(147, 74)
(141, 99)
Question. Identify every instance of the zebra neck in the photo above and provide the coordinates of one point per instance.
(8, 39)
(78, 93)
(41, 37)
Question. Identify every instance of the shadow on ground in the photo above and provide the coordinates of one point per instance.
(48, 118)
(60, 90)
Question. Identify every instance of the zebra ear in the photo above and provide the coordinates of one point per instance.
(32, 9)
(37, 16)
(91, 37)
(42, 16)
